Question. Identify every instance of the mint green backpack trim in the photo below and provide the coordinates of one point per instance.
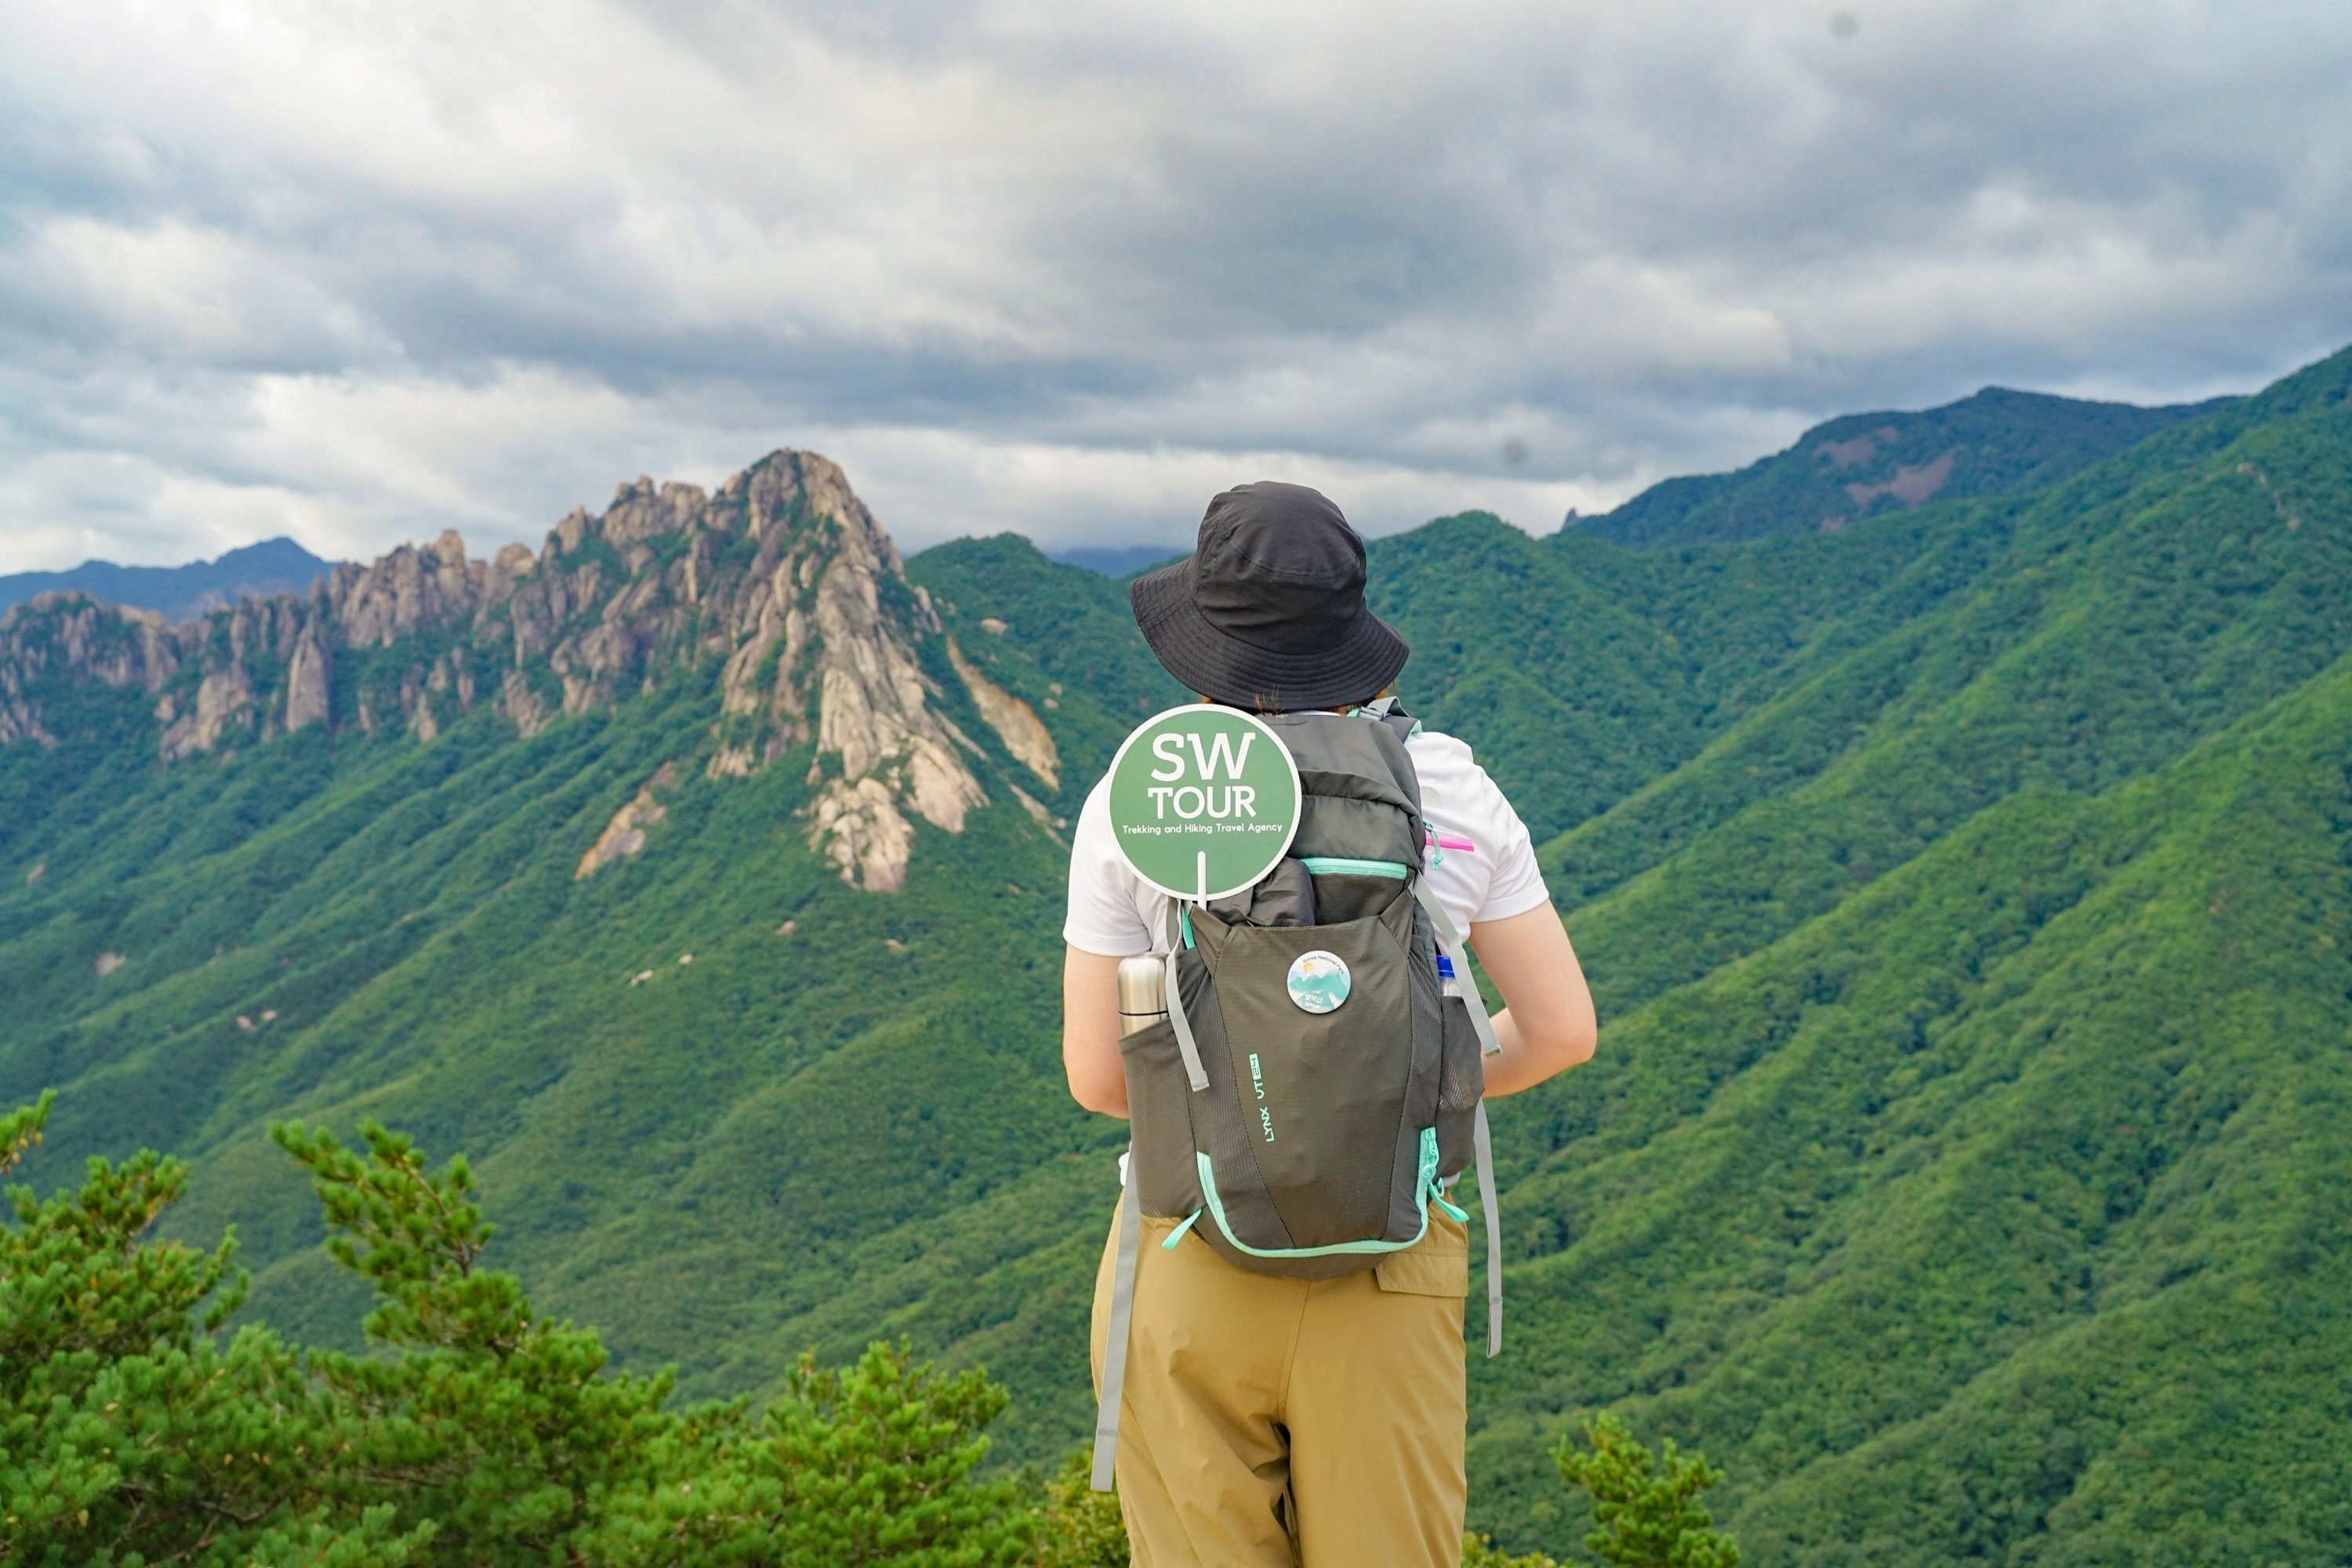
(1178, 1234)
(1332, 866)
(1426, 1191)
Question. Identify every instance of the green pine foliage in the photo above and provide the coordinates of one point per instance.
(1646, 1507)
(476, 1431)
(867, 1464)
(1080, 1528)
(1480, 1551)
(490, 1426)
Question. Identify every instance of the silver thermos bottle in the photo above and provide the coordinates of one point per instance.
(1143, 991)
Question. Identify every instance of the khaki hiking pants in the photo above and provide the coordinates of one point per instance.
(1271, 1423)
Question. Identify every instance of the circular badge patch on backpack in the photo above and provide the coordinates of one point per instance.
(1318, 980)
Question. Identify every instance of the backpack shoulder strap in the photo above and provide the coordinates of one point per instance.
(1390, 712)
(1180, 935)
(1449, 939)
(1485, 1146)
(1122, 1313)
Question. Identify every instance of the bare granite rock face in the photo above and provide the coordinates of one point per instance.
(625, 834)
(1016, 722)
(239, 671)
(409, 588)
(63, 639)
(224, 698)
(781, 575)
(308, 681)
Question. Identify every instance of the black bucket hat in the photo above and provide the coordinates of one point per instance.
(1268, 611)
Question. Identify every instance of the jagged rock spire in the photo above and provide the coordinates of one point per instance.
(781, 575)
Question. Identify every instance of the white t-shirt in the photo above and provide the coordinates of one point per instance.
(1485, 869)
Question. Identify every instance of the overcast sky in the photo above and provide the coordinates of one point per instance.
(357, 272)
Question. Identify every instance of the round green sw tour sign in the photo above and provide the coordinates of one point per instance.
(1204, 801)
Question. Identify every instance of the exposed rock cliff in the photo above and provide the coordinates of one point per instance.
(781, 575)
(625, 834)
(1016, 722)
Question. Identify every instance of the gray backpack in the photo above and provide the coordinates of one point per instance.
(1316, 1082)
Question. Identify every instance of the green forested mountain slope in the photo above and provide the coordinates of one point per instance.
(2001, 1213)
(1998, 442)
(1763, 1220)
(836, 1119)
(2147, 602)
(1966, 888)
(1583, 671)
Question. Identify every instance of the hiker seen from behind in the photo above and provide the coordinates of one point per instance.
(1274, 897)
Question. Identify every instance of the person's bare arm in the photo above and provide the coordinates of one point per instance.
(1546, 1026)
(1090, 1032)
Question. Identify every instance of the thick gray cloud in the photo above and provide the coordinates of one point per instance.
(359, 272)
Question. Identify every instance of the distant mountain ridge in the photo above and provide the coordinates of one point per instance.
(1996, 442)
(1120, 559)
(180, 593)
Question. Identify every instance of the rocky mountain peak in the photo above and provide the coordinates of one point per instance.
(781, 575)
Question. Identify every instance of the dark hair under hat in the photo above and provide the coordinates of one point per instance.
(1268, 611)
